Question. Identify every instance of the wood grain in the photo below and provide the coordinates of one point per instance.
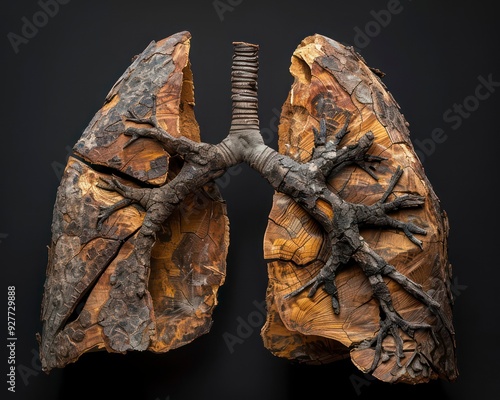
(87, 264)
(327, 71)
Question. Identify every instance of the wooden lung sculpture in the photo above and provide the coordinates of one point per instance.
(333, 83)
(356, 241)
(99, 291)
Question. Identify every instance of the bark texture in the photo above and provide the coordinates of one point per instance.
(335, 88)
(123, 275)
(356, 242)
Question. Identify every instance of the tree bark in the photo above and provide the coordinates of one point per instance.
(137, 255)
(388, 275)
(353, 215)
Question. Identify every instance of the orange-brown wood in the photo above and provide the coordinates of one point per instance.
(298, 249)
(187, 264)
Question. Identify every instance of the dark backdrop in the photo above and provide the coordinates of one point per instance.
(436, 56)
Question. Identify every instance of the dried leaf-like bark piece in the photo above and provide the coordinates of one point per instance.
(112, 282)
(158, 77)
(335, 91)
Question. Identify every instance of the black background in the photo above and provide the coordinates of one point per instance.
(433, 54)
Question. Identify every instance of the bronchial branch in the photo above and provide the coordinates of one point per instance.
(304, 182)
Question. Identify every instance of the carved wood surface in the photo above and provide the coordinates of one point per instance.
(356, 242)
(98, 292)
(332, 82)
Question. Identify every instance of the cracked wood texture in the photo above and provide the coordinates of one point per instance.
(90, 271)
(333, 82)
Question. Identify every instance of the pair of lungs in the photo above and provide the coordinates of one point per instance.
(186, 261)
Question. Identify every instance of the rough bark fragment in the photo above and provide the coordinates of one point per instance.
(113, 282)
(187, 268)
(160, 71)
(309, 349)
(78, 256)
(333, 83)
